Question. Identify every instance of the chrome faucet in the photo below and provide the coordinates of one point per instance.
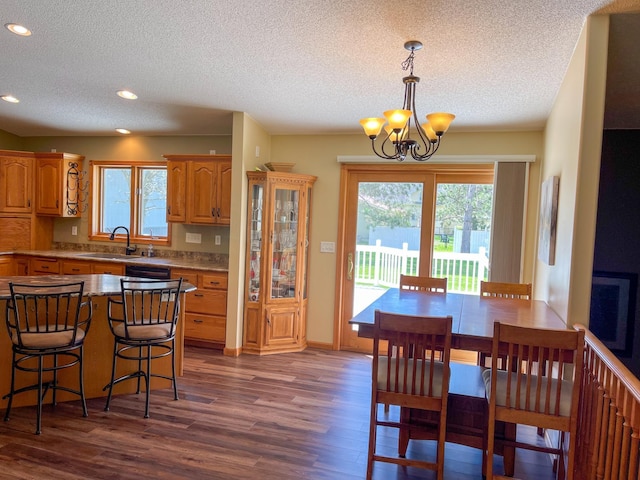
(128, 249)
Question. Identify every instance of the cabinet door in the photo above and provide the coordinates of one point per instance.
(16, 184)
(224, 194)
(6, 266)
(202, 192)
(49, 187)
(282, 326)
(176, 191)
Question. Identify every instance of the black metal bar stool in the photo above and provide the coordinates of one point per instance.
(44, 322)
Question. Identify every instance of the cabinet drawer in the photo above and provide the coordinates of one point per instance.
(107, 268)
(76, 268)
(43, 265)
(214, 281)
(204, 327)
(188, 276)
(212, 302)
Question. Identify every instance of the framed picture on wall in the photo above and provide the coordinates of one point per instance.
(613, 306)
(548, 220)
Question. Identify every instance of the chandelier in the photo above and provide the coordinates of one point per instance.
(398, 142)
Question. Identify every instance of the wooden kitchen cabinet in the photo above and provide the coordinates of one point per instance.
(7, 267)
(16, 181)
(208, 183)
(58, 190)
(177, 191)
(206, 307)
(277, 262)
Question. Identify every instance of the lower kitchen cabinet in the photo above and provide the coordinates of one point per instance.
(206, 307)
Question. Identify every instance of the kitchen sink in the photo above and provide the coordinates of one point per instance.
(105, 255)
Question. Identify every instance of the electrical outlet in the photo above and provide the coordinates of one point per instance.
(74, 230)
(218, 240)
(328, 247)
(257, 150)
(193, 238)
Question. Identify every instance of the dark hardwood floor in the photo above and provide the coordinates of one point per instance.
(289, 416)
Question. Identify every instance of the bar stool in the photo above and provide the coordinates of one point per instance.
(44, 322)
(143, 323)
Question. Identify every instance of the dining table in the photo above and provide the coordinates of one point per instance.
(473, 318)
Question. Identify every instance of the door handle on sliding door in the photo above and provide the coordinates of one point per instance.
(350, 266)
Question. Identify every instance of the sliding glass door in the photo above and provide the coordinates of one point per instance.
(393, 223)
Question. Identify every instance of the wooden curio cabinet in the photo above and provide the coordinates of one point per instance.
(279, 208)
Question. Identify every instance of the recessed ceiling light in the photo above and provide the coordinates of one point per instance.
(18, 29)
(10, 99)
(123, 131)
(127, 94)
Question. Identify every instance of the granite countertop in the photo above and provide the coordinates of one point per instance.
(95, 285)
(191, 261)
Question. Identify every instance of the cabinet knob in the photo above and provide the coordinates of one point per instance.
(213, 212)
(198, 320)
(168, 210)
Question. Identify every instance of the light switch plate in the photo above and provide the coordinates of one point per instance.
(328, 247)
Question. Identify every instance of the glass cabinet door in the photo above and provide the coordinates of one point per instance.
(255, 248)
(284, 243)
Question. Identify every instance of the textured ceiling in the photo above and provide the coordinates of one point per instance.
(297, 67)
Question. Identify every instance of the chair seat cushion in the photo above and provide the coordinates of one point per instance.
(145, 331)
(42, 340)
(382, 374)
(501, 392)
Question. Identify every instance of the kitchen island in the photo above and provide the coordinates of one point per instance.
(98, 351)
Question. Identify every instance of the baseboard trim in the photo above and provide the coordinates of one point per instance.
(320, 345)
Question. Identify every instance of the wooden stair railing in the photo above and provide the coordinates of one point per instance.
(609, 423)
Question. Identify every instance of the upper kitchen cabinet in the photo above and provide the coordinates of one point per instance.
(199, 189)
(16, 181)
(176, 191)
(58, 184)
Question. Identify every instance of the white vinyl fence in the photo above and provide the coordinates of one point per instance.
(381, 266)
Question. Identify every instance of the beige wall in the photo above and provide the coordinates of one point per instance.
(317, 155)
(573, 142)
(9, 141)
(247, 136)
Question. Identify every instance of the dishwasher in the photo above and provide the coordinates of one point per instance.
(159, 273)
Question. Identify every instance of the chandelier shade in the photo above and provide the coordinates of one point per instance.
(398, 142)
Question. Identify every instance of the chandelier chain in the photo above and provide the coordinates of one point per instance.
(408, 63)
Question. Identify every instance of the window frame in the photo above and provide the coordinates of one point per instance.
(96, 169)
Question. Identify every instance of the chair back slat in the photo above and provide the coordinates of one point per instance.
(423, 284)
(505, 290)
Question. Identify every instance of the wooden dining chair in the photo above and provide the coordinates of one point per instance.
(505, 290)
(540, 387)
(423, 284)
(412, 379)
